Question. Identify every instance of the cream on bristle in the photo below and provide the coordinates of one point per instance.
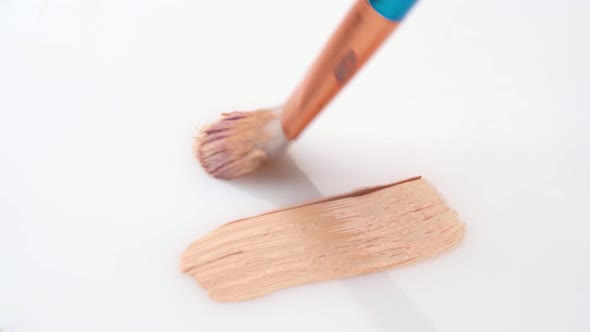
(240, 142)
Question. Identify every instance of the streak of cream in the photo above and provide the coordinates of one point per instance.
(283, 183)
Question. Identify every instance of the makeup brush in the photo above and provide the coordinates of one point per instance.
(240, 142)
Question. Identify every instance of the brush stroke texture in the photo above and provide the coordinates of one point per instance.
(369, 230)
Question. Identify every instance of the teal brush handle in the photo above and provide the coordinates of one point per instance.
(394, 10)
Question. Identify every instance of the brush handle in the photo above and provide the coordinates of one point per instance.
(360, 34)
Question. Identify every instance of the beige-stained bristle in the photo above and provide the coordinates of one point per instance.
(234, 145)
(369, 230)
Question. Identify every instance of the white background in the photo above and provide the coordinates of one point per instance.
(100, 193)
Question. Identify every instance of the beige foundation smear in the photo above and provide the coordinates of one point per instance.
(368, 230)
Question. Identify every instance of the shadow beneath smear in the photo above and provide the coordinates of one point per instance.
(282, 183)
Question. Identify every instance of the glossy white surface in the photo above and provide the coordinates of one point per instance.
(99, 192)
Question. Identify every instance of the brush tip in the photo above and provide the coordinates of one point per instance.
(239, 143)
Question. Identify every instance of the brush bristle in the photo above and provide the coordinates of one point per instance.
(235, 145)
